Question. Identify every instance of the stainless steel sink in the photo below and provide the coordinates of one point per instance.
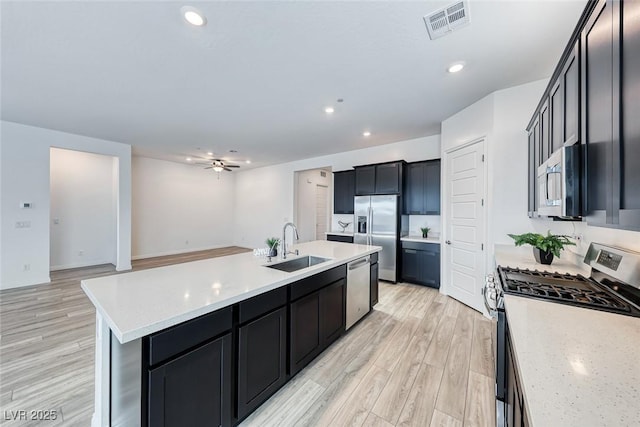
(298, 263)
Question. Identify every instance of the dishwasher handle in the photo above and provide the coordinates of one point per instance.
(360, 263)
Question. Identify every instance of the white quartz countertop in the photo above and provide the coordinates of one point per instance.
(140, 303)
(578, 367)
(340, 233)
(420, 239)
(522, 257)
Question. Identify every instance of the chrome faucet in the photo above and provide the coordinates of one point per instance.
(284, 239)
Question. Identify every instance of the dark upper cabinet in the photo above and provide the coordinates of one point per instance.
(422, 188)
(389, 178)
(626, 157)
(532, 171)
(557, 112)
(193, 389)
(344, 188)
(262, 358)
(365, 180)
(570, 87)
(610, 96)
(545, 132)
(384, 178)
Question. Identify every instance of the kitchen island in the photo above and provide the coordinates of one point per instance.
(177, 344)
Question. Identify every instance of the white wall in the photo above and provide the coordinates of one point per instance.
(180, 208)
(416, 222)
(269, 191)
(305, 190)
(83, 209)
(25, 178)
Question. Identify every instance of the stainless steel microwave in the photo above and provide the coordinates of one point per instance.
(558, 184)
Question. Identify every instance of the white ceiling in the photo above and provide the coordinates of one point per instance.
(258, 76)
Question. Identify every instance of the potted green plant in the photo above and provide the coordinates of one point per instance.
(425, 231)
(544, 247)
(272, 243)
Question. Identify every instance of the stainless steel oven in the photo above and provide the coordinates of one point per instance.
(558, 184)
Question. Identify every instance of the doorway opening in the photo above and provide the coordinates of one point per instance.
(312, 207)
(83, 209)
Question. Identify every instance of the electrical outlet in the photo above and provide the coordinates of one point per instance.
(578, 237)
(23, 224)
(26, 267)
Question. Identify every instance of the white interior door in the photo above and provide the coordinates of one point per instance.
(465, 231)
(321, 211)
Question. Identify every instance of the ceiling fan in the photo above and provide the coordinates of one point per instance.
(218, 165)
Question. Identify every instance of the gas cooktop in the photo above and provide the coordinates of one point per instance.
(613, 286)
(563, 288)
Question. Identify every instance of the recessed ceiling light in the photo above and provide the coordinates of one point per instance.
(248, 162)
(193, 16)
(456, 67)
(329, 110)
(366, 133)
(188, 159)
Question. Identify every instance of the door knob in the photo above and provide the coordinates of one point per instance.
(448, 242)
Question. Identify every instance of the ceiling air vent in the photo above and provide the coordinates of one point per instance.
(445, 20)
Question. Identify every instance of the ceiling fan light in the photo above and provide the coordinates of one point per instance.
(218, 168)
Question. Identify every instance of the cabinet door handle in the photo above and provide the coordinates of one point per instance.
(410, 251)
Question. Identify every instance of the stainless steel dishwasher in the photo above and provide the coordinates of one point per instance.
(358, 290)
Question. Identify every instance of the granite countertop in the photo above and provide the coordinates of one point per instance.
(340, 233)
(420, 239)
(140, 303)
(578, 367)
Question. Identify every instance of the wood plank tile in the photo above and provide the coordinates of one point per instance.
(420, 404)
(439, 346)
(373, 420)
(357, 407)
(482, 350)
(480, 404)
(454, 378)
(440, 419)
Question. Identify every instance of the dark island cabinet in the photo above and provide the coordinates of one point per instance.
(262, 358)
(422, 188)
(374, 273)
(610, 109)
(318, 318)
(421, 263)
(344, 188)
(194, 389)
(384, 178)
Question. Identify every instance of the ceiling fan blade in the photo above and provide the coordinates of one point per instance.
(210, 167)
(227, 169)
(232, 166)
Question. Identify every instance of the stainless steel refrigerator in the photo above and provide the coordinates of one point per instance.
(376, 223)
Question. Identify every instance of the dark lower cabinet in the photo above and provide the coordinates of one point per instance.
(193, 390)
(421, 263)
(374, 287)
(262, 358)
(305, 331)
(515, 408)
(316, 321)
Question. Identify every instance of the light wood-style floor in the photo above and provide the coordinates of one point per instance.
(47, 343)
(419, 359)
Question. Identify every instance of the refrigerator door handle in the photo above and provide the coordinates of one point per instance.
(370, 226)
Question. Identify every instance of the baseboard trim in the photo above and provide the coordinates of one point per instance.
(178, 252)
(44, 281)
(79, 265)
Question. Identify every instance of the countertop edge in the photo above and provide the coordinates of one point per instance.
(125, 337)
